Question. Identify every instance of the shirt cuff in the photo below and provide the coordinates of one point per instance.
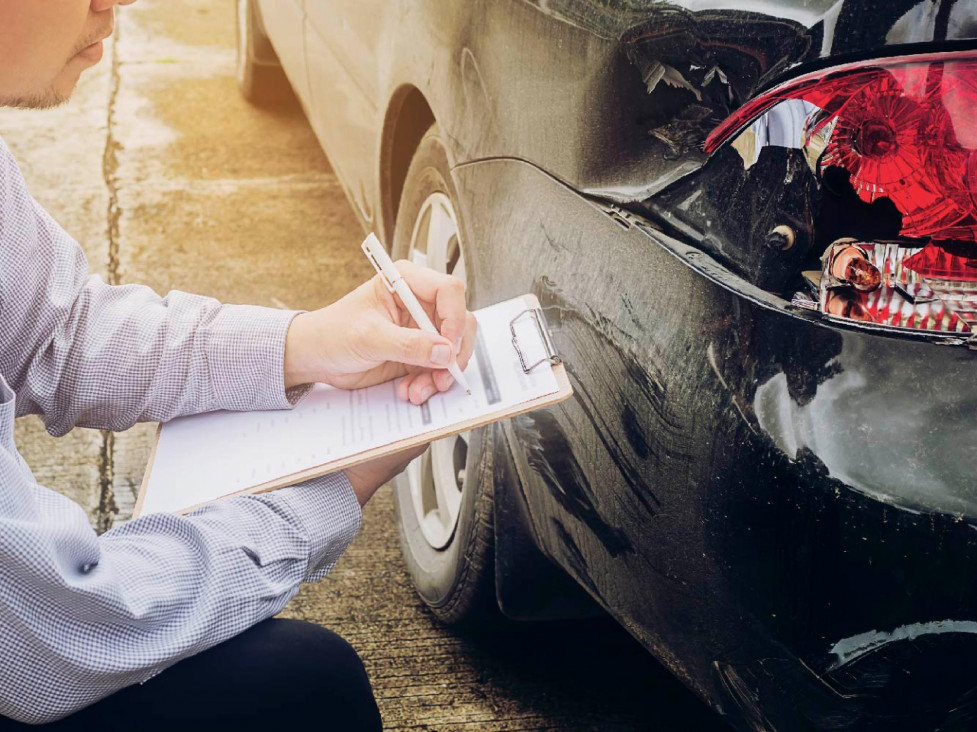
(246, 356)
(327, 511)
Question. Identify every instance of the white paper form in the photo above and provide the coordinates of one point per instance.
(207, 456)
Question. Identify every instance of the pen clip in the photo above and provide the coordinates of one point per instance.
(376, 265)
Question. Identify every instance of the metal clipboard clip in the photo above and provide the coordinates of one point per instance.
(536, 315)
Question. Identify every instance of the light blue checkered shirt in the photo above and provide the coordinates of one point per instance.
(81, 615)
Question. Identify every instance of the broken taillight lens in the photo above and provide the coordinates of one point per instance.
(902, 129)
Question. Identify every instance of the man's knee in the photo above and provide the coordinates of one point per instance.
(328, 668)
(332, 657)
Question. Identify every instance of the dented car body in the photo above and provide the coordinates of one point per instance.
(778, 500)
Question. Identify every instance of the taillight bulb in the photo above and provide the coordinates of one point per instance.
(849, 265)
(875, 138)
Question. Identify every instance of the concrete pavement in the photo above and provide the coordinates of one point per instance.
(168, 178)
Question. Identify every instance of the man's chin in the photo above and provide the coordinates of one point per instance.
(56, 94)
(38, 101)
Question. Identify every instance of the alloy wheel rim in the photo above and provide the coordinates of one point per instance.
(436, 479)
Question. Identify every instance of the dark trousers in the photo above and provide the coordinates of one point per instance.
(275, 675)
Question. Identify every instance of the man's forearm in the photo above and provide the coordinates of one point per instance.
(82, 616)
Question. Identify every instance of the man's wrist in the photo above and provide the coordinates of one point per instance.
(364, 486)
(297, 338)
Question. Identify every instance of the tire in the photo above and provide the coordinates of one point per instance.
(260, 77)
(456, 580)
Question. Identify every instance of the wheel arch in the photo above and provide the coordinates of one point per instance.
(408, 117)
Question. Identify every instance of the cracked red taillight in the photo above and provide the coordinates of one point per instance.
(902, 129)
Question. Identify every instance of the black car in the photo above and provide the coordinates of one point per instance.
(752, 228)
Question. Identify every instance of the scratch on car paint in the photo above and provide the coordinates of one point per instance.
(746, 699)
(634, 432)
(857, 646)
(479, 113)
(552, 241)
(575, 558)
(623, 459)
(607, 374)
(551, 457)
(629, 308)
(734, 398)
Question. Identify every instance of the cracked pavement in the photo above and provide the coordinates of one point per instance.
(168, 178)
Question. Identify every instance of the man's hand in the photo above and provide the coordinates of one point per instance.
(368, 337)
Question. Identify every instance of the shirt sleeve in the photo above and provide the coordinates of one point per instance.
(81, 352)
(83, 616)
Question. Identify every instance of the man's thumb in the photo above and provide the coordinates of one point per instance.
(417, 347)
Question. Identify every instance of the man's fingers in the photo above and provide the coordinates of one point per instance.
(467, 341)
(443, 380)
(452, 309)
(419, 386)
(424, 282)
(403, 387)
(422, 388)
(387, 301)
(412, 346)
(445, 292)
(443, 297)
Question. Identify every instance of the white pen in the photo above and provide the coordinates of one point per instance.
(395, 282)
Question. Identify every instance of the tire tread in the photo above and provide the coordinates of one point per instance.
(474, 601)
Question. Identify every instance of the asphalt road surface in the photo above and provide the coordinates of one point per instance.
(168, 178)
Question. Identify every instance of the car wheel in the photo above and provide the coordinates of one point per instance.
(260, 77)
(443, 501)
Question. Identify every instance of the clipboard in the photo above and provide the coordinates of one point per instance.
(528, 323)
